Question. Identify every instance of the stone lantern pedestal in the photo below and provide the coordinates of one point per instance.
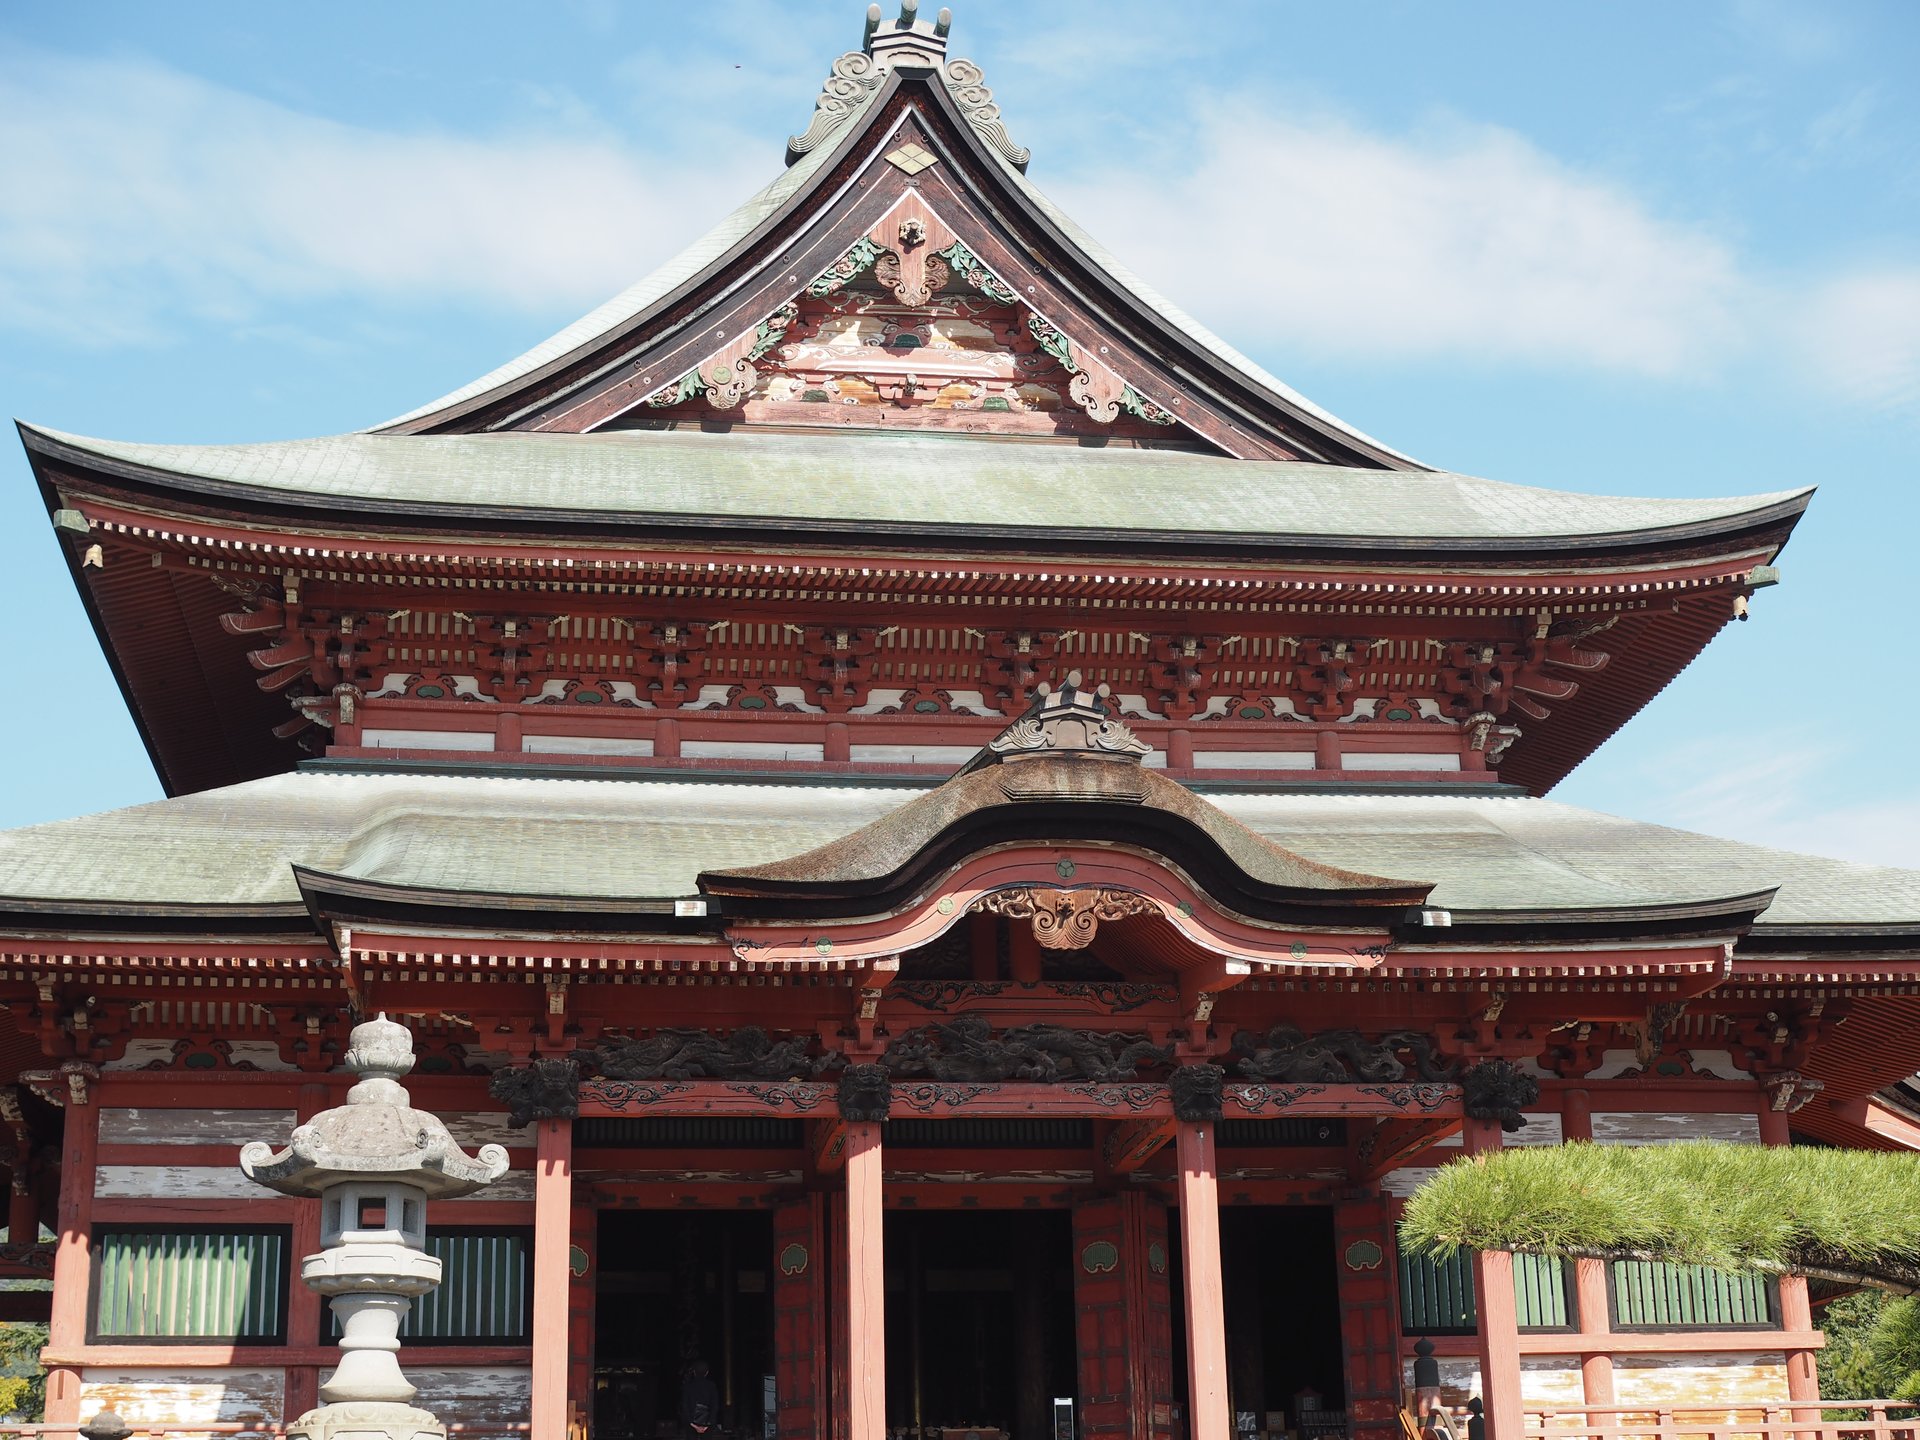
(373, 1163)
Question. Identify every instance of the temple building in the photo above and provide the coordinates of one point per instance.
(971, 844)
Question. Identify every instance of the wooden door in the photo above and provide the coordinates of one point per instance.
(1123, 1307)
(1363, 1249)
(800, 1318)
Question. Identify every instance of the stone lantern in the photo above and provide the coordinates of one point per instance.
(373, 1163)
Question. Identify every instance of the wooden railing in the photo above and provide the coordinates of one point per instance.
(1805, 1420)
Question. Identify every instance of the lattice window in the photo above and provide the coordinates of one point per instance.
(190, 1283)
(1652, 1296)
(1436, 1293)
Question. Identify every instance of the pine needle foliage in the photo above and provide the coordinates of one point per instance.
(1847, 1215)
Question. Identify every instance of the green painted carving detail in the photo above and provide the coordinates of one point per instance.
(680, 391)
(576, 1261)
(967, 266)
(773, 329)
(1365, 1255)
(1134, 403)
(858, 259)
(1051, 340)
(794, 1259)
(1157, 1258)
(1100, 1257)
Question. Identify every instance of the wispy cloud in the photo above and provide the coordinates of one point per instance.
(1791, 787)
(1860, 334)
(137, 198)
(139, 201)
(1464, 240)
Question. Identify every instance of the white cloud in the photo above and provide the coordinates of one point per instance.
(1793, 788)
(1464, 241)
(135, 197)
(136, 201)
(1860, 336)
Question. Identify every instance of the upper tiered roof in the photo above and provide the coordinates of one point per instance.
(897, 378)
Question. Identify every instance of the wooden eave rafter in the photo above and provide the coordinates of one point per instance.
(816, 225)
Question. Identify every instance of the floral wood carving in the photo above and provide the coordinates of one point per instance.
(1064, 919)
(726, 377)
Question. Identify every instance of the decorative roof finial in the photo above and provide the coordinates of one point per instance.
(908, 40)
(905, 43)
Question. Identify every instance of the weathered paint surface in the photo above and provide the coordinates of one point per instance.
(475, 1394)
(474, 1128)
(184, 1397)
(192, 1127)
(514, 1185)
(1669, 1381)
(196, 1182)
(1614, 1127)
(157, 1054)
(1544, 1379)
(1542, 1128)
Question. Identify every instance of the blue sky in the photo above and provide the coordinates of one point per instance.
(1640, 248)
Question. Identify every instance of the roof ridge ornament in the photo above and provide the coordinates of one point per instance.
(905, 43)
(1069, 721)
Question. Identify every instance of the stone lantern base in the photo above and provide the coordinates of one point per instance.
(367, 1420)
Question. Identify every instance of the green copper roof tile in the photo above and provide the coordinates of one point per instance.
(648, 839)
(918, 481)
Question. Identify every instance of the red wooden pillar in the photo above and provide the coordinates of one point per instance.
(1123, 1318)
(582, 1278)
(1369, 1316)
(866, 1320)
(72, 1259)
(1207, 1413)
(800, 1379)
(1499, 1329)
(1592, 1312)
(552, 1225)
(1796, 1312)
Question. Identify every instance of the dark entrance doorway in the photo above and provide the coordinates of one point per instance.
(980, 1320)
(1283, 1316)
(676, 1288)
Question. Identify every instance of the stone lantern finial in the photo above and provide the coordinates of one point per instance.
(373, 1163)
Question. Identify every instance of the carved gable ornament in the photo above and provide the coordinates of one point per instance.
(1070, 721)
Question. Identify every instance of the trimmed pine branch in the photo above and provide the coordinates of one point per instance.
(1847, 1215)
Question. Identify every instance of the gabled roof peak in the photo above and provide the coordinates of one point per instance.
(907, 43)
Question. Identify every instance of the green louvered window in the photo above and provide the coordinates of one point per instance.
(190, 1283)
(485, 1296)
(1652, 1296)
(1436, 1293)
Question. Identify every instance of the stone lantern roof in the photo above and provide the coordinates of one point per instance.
(376, 1135)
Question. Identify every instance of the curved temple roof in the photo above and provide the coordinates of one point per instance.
(922, 482)
(650, 839)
